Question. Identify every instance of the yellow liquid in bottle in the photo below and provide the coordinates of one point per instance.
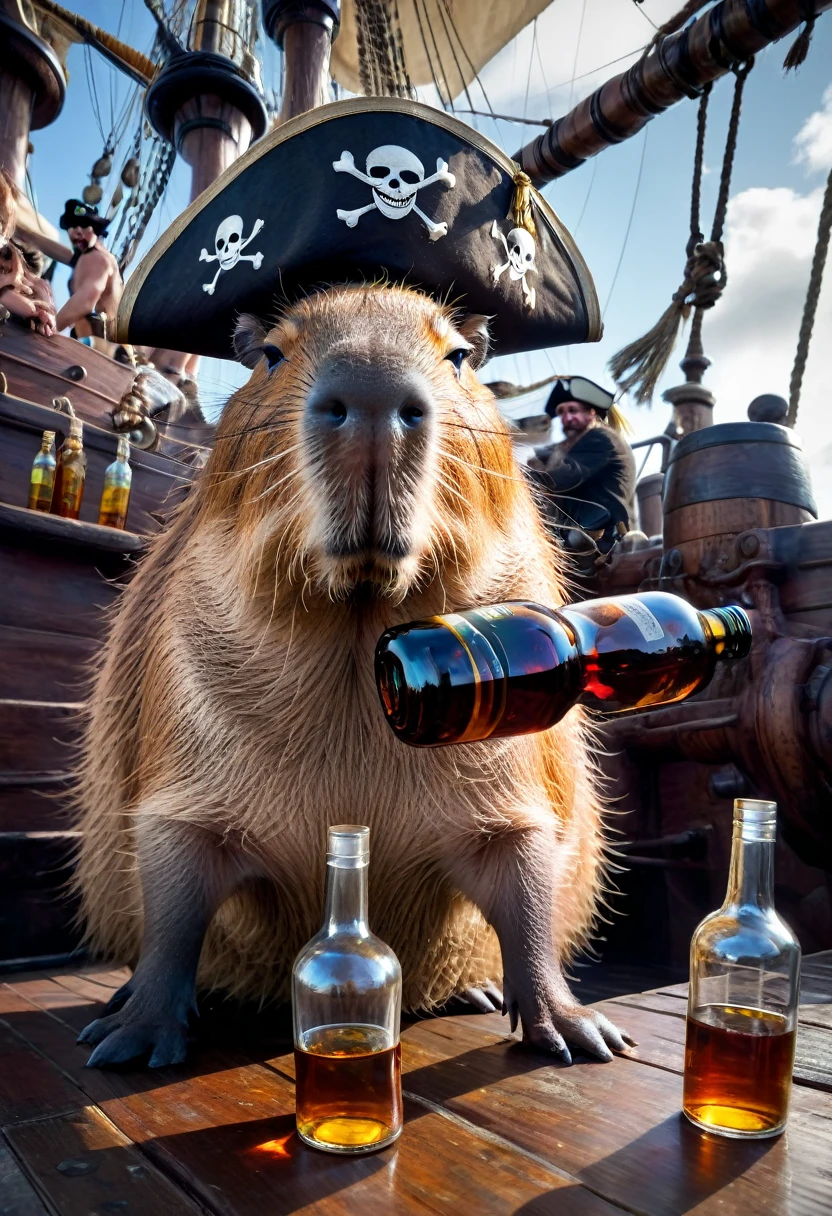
(41, 485)
(114, 503)
(348, 1088)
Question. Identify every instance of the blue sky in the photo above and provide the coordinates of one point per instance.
(783, 156)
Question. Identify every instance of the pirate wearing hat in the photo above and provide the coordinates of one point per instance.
(95, 287)
(589, 478)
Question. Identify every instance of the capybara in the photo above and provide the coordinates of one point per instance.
(363, 477)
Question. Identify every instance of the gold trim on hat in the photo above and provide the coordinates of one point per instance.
(337, 109)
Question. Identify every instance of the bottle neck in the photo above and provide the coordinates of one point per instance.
(728, 630)
(345, 907)
(751, 877)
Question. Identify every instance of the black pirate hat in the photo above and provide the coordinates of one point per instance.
(352, 191)
(78, 214)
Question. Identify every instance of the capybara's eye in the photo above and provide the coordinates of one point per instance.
(458, 357)
(273, 356)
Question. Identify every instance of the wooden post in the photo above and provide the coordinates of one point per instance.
(677, 67)
(32, 88)
(303, 29)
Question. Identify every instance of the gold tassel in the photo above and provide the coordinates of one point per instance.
(520, 212)
(799, 49)
(647, 357)
(617, 421)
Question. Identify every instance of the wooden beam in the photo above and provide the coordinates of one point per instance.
(679, 66)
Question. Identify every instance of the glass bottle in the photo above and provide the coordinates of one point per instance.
(42, 481)
(116, 495)
(743, 997)
(346, 1006)
(510, 669)
(71, 473)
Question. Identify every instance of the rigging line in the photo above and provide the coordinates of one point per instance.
(529, 122)
(629, 223)
(577, 49)
(456, 58)
(427, 54)
(529, 73)
(470, 62)
(543, 70)
(592, 71)
(442, 71)
(94, 103)
(645, 15)
(588, 193)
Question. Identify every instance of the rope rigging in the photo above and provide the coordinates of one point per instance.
(811, 305)
(638, 367)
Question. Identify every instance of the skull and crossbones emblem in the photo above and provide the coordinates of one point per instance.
(395, 176)
(520, 251)
(229, 246)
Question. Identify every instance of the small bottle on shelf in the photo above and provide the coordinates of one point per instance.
(743, 996)
(71, 473)
(346, 1006)
(510, 669)
(116, 495)
(42, 481)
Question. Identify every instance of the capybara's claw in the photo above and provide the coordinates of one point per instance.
(550, 1024)
(119, 1038)
(485, 999)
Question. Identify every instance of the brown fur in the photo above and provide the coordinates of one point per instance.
(236, 692)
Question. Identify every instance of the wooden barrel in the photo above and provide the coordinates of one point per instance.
(728, 478)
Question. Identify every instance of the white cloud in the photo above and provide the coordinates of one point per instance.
(813, 142)
(752, 333)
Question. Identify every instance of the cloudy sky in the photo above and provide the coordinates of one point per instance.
(628, 209)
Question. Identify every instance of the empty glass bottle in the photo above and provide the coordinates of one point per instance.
(42, 481)
(346, 1006)
(71, 473)
(116, 495)
(743, 997)
(509, 669)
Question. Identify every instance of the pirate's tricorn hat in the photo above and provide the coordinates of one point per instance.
(352, 192)
(78, 214)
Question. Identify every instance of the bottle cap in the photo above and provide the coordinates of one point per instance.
(49, 436)
(76, 428)
(123, 447)
(348, 846)
(731, 630)
(755, 819)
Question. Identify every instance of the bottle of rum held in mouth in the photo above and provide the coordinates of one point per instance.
(346, 1006)
(743, 998)
(509, 669)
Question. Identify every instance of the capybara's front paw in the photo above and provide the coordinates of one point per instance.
(128, 1034)
(552, 1021)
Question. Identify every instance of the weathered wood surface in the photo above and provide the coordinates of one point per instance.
(489, 1127)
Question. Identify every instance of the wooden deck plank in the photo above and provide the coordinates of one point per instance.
(81, 1164)
(17, 1195)
(491, 1127)
(225, 1132)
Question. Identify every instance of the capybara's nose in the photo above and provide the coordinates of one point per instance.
(368, 400)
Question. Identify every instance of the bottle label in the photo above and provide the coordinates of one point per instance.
(641, 616)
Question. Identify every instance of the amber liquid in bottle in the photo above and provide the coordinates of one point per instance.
(71, 474)
(116, 496)
(348, 1086)
(738, 1068)
(509, 669)
(742, 1001)
(42, 481)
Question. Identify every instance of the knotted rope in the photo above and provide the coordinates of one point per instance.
(811, 305)
(799, 49)
(638, 367)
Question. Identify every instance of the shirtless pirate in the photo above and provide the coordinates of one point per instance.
(95, 287)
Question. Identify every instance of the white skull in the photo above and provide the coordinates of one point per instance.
(399, 174)
(520, 252)
(228, 240)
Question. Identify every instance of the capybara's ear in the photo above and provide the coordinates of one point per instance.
(249, 335)
(474, 328)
